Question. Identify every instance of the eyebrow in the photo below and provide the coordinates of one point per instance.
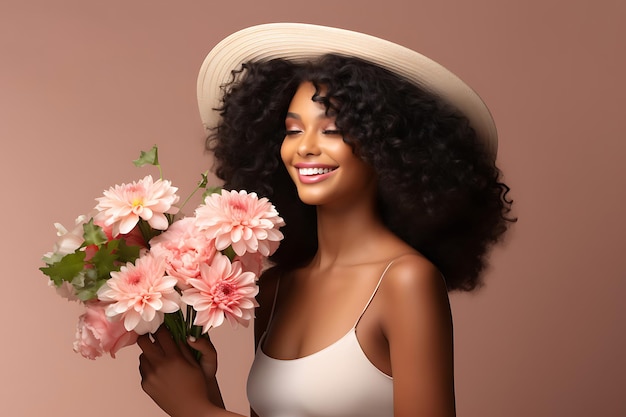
(298, 117)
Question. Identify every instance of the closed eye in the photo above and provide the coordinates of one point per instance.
(292, 132)
(331, 132)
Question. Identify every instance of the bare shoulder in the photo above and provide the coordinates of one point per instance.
(412, 288)
(415, 274)
(416, 321)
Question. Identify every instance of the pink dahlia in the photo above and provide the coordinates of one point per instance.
(223, 290)
(140, 294)
(123, 205)
(96, 334)
(184, 249)
(242, 220)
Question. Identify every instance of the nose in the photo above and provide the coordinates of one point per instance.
(308, 144)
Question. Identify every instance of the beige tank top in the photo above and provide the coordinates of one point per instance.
(337, 381)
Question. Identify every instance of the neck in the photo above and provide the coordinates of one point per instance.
(346, 235)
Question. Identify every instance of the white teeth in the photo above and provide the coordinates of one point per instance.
(314, 171)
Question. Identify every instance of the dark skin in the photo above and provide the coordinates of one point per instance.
(407, 330)
(168, 367)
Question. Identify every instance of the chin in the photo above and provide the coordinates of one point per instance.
(312, 199)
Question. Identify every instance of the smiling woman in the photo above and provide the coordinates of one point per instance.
(382, 164)
(321, 164)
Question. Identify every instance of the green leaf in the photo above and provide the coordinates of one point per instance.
(104, 260)
(148, 158)
(79, 280)
(230, 252)
(91, 275)
(211, 190)
(93, 234)
(127, 253)
(89, 292)
(205, 180)
(66, 269)
(87, 285)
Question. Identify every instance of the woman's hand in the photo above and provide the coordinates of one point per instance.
(173, 378)
(208, 360)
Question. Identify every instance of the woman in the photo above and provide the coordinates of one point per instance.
(382, 164)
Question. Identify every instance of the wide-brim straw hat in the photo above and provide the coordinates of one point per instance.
(300, 42)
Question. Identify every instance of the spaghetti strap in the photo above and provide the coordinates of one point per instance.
(380, 280)
(273, 305)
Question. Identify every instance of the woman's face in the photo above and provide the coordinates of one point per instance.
(324, 168)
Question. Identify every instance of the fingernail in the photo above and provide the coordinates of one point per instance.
(191, 339)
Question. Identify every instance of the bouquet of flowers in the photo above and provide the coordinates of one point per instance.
(135, 263)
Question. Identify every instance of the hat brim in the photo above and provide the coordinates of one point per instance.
(300, 42)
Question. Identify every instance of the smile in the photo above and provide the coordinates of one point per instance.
(314, 174)
(314, 171)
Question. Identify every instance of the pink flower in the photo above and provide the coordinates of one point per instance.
(123, 205)
(184, 249)
(65, 290)
(252, 262)
(140, 294)
(96, 334)
(222, 291)
(132, 238)
(242, 220)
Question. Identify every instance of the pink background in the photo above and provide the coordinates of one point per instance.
(86, 85)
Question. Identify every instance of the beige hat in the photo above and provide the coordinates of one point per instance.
(300, 42)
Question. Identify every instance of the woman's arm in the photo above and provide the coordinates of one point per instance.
(418, 326)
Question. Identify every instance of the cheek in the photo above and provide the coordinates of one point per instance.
(360, 171)
(286, 155)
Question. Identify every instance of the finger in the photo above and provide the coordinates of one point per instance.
(163, 337)
(208, 355)
(188, 354)
(145, 367)
(148, 347)
(202, 344)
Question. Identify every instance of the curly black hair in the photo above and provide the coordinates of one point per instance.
(438, 187)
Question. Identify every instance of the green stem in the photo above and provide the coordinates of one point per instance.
(189, 319)
(145, 229)
(175, 322)
(192, 330)
(195, 190)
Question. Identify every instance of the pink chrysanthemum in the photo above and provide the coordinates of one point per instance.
(242, 220)
(123, 205)
(222, 291)
(140, 294)
(184, 249)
